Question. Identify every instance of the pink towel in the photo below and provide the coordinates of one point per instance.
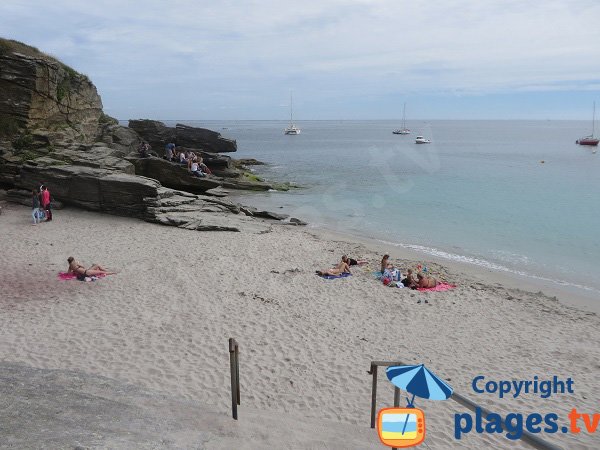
(439, 288)
(66, 276)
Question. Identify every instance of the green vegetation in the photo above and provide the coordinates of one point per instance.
(63, 89)
(9, 126)
(12, 46)
(22, 142)
(105, 118)
(249, 176)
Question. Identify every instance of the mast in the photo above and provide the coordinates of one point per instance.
(404, 117)
(291, 110)
(593, 118)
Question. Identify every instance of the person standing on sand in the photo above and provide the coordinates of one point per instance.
(45, 200)
(35, 203)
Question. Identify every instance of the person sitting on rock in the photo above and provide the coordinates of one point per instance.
(169, 151)
(144, 149)
(194, 168)
(184, 157)
(203, 166)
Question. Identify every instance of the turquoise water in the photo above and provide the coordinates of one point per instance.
(477, 193)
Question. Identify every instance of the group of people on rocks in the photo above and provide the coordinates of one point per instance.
(41, 204)
(194, 162)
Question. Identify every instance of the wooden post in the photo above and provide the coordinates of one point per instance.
(234, 377)
(373, 395)
(237, 371)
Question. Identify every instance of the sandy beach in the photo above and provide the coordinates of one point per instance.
(163, 321)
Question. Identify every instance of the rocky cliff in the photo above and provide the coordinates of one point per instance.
(53, 131)
(38, 91)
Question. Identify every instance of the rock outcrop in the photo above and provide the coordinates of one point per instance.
(53, 132)
(37, 91)
(157, 134)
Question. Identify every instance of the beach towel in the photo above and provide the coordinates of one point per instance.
(71, 276)
(66, 276)
(331, 277)
(439, 288)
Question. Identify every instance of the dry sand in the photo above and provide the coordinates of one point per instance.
(163, 322)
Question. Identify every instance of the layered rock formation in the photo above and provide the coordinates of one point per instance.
(53, 132)
(157, 134)
(37, 91)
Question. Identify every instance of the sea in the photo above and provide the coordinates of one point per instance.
(511, 196)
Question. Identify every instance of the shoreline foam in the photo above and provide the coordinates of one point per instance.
(572, 294)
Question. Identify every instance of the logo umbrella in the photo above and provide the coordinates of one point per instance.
(419, 381)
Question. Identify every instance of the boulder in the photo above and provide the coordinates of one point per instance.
(207, 140)
(157, 134)
(122, 140)
(295, 221)
(253, 212)
(94, 189)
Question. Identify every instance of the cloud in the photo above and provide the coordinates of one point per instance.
(251, 53)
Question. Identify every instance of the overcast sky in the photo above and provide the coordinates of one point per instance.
(354, 59)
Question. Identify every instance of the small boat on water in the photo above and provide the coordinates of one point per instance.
(404, 130)
(422, 140)
(590, 140)
(292, 129)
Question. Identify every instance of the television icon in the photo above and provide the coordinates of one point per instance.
(401, 427)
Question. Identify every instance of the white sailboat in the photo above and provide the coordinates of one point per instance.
(590, 140)
(404, 130)
(292, 129)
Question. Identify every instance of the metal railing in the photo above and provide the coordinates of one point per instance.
(527, 437)
(234, 365)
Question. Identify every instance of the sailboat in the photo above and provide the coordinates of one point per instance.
(589, 140)
(292, 129)
(404, 130)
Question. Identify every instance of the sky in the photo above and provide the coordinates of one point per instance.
(352, 59)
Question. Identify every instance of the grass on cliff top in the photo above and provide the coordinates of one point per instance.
(8, 46)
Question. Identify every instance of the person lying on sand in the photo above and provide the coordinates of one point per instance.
(353, 262)
(79, 270)
(341, 268)
(426, 281)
